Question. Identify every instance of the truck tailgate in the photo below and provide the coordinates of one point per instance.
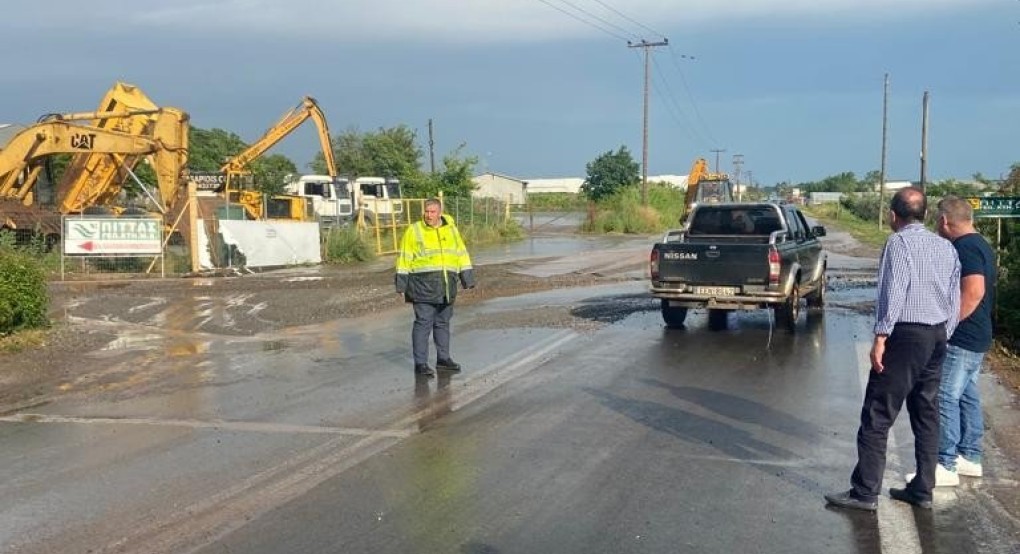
(714, 263)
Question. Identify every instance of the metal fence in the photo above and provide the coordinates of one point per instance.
(385, 232)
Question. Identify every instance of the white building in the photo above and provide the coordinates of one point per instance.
(502, 187)
(567, 184)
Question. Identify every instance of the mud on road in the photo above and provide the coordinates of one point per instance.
(88, 316)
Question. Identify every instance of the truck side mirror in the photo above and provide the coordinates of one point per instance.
(818, 231)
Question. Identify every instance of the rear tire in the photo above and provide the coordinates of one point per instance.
(816, 299)
(789, 312)
(673, 316)
(718, 319)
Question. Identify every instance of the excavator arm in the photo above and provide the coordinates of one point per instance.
(238, 165)
(703, 185)
(291, 120)
(97, 178)
(169, 151)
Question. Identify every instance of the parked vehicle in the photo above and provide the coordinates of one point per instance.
(378, 201)
(739, 256)
(331, 197)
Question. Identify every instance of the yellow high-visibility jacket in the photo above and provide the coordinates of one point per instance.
(432, 262)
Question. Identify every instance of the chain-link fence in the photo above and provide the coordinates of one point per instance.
(385, 232)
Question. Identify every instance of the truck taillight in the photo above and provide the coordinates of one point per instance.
(773, 266)
(653, 262)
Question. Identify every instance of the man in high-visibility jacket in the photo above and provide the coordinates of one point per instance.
(432, 263)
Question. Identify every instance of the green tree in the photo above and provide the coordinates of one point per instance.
(392, 152)
(210, 149)
(453, 178)
(610, 173)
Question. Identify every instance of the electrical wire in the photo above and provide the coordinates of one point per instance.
(673, 106)
(694, 104)
(624, 16)
(585, 21)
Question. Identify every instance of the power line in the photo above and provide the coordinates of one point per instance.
(694, 104)
(589, 14)
(635, 22)
(585, 21)
(674, 108)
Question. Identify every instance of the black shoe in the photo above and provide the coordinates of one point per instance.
(904, 495)
(845, 500)
(447, 365)
(424, 369)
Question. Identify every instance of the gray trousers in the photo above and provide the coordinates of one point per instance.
(431, 319)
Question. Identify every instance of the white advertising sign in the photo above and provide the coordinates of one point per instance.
(112, 235)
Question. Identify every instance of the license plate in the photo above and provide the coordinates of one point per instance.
(716, 291)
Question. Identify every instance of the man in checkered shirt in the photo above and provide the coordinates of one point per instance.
(918, 307)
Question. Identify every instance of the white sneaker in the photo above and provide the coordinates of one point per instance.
(943, 477)
(967, 468)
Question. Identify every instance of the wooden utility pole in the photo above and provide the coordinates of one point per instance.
(881, 171)
(432, 151)
(924, 141)
(644, 141)
(717, 151)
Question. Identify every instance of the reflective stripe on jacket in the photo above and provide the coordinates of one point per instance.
(431, 262)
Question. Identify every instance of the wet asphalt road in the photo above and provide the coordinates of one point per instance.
(615, 436)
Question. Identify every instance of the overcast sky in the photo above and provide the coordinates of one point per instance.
(538, 88)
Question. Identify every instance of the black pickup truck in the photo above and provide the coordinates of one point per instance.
(739, 256)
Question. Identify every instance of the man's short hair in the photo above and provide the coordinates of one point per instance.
(433, 202)
(909, 204)
(956, 209)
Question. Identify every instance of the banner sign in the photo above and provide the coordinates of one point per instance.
(113, 235)
(995, 206)
(208, 181)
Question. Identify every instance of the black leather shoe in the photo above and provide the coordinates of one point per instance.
(424, 369)
(903, 495)
(845, 500)
(447, 365)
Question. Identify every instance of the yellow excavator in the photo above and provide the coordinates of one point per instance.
(20, 157)
(96, 179)
(704, 186)
(281, 206)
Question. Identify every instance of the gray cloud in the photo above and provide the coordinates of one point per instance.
(431, 20)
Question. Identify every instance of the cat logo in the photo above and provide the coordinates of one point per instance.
(680, 256)
(83, 141)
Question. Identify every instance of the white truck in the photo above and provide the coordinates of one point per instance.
(376, 198)
(331, 200)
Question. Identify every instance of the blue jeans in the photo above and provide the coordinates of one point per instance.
(960, 418)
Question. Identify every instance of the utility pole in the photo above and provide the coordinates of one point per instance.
(717, 151)
(432, 150)
(924, 141)
(738, 162)
(881, 171)
(644, 141)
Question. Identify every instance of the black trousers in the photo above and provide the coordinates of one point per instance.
(913, 368)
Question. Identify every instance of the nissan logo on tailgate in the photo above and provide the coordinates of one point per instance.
(680, 255)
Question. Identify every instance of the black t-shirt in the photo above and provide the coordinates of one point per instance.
(976, 258)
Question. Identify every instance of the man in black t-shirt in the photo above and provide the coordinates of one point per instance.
(960, 419)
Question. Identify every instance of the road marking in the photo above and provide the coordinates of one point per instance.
(250, 426)
(897, 529)
(192, 528)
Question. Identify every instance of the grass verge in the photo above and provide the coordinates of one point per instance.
(834, 215)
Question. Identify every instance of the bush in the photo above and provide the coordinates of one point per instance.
(23, 298)
(342, 246)
(623, 213)
(498, 232)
